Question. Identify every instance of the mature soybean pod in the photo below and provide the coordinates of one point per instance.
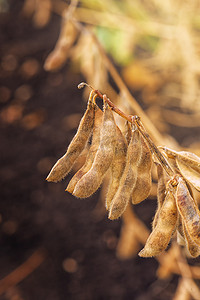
(192, 247)
(187, 164)
(65, 163)
(160, 192)
(161, 234)
(171, 158)
(179, 232)
(128, 180)
(190, 159)
(117, 166)
(128, 132)
(65, 41)
(92, 151)
(91, 181)
(143, 184)
(188, 210)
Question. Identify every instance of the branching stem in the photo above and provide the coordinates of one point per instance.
(137, 122)
(110, 103)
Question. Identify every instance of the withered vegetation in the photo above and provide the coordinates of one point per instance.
(127, 158)
(130, 168)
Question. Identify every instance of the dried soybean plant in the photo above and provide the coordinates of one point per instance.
(127, 157)
(129, 161)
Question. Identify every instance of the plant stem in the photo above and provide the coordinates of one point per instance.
(152, 146)
(110, 103)
(135, 120)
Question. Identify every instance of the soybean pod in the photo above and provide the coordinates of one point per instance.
(143, 184)
(189, 211)
(117, 167)
(64, 165)
(91, 181)
(192, 247)
(91, 153)
(128, 132)
(166, 223)
(61, 51)
(160, 192)
(129, 177)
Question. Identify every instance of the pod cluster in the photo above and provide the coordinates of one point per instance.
(177, 213)
(125, 157)
(127, 161)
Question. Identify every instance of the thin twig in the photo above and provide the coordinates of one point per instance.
(72, 7)
(106, 99)
(187, 275)
(19, 274)
(153, 147)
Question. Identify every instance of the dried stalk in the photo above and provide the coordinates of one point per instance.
(187, 275)
(19, 274)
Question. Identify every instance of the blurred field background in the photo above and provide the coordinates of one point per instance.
(53, 246)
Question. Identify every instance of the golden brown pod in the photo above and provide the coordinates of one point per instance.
(91, 153)
(117, 167)
(192, 247)
(186, 157)
(128, 132)
(161, 234)
(180, 232)
(188, 210)
(65, 163)
(128, 180)
(191, 159)
(91, 181)
(66, 39)
(160, 192)
(143, 184)
(171, 159)
(188, 165)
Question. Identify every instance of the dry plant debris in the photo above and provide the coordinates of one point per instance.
(129, 159)
(166, 32)
(21, 272)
